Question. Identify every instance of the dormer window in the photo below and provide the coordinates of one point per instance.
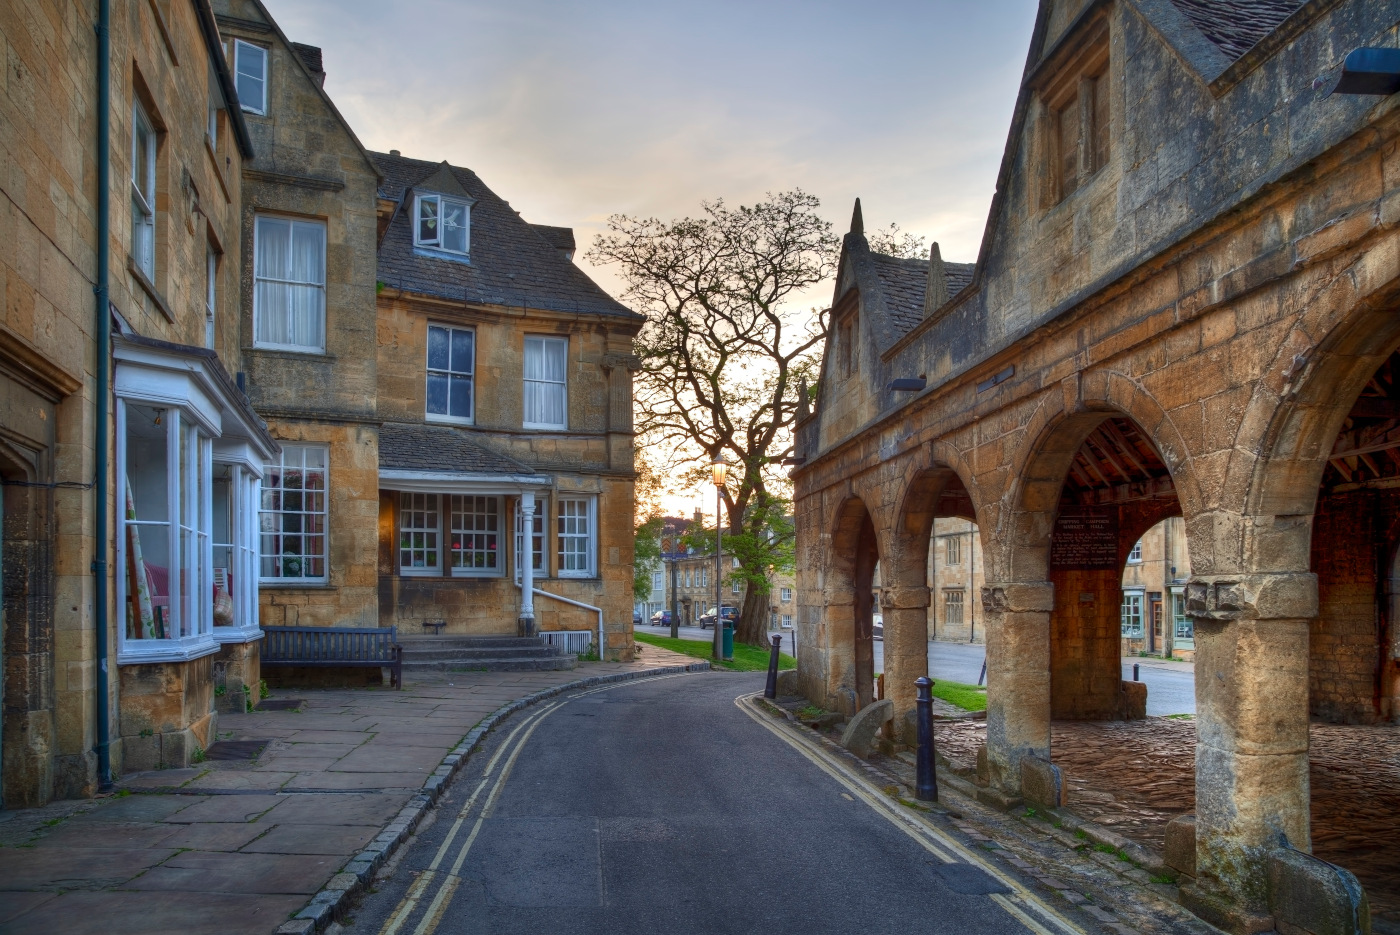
(441, 224)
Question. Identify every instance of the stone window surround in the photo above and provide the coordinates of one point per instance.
(543, 342)
(294, 222)
(1062, 80)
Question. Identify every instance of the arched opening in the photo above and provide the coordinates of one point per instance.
(850, 608)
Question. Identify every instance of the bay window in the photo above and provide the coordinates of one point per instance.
(577, 537)
(289, 284)
(419, 525)
(546, 397)
(451, 362)
(293, 518)
(235, 535)
(164, 548)
(441, 223)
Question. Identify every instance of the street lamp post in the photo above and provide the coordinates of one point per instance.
(720, 469)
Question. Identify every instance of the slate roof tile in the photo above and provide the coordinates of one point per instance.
(1235, 26)
(904, 282)
(512, 263)
(407, 447)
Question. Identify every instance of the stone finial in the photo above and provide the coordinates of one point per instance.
(803, 409)
(936, 292)
(857, 222)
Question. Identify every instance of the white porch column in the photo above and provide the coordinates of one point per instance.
(526, 623)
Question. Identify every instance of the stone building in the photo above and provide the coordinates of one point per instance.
(505, 393)
(129, 456)
(1184, 306)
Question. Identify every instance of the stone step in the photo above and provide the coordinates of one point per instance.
(446, 653)
(468, 642)
(496, 664)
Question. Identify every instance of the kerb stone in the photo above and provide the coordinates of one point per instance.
(1041, 782)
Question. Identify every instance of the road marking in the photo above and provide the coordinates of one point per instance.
(432, 916)
(930, 837)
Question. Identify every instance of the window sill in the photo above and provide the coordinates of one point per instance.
(149, 287)
(447, 420)
(435, 254)
(420, 573)
(194, 647)
(224, 635)
(535, 427)
(289, 352)
(292, 583)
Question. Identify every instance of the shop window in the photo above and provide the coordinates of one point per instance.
(953, 548)
(293, 518)
(419, 534)
(1132, 615)
(289, 284)
(250, 69)
(164, 544)
(576, 538)
(953, 608)
(475, 545)
(451, 363)
(537, 524)
(235, 533)
(546, 397)
(1184, 626)
(442, 224)
(143, 191)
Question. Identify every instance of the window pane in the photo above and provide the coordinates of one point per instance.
(309, 254)
(462, 350)
(437, 394)
(475, 532)
(147, 523)
(273, 259)
(555, 352)
(293, 520)
(454, 226)
(460, 403)
(251, 66)
(438, 344)
(427, 220)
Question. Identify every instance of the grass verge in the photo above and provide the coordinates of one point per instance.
(967, 697)
(746, 658)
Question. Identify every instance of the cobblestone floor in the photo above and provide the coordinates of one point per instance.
(1134, 777)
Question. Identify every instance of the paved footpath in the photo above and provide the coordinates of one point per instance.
(241, 845)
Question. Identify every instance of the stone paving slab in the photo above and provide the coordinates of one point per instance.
(235, 846)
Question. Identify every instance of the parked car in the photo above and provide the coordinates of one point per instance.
(877, 627)
(731, 616)
(662, 618)
(636, 618)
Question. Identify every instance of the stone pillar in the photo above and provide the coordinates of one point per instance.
(838, 611)
(906, 647)
(1251, 736)
(1018, 677)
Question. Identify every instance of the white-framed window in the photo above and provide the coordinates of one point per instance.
(577, 535)
(293, 519)
(785, 595)
(164, 542)
(451, 363)
(143, 190)
(657, 581)
(235, 535)
(476, 535)
(787, 621)
(953, 550)
(735, 561)
(546, 396)
(734, 586)
(211, 292)
(953, 607)
(420, 534)
(538, 523)
(1135, 556)
(289, 284)
(1132, 615)
(1184, 626)
(442, 223)
(250, 70)
(212, 129)
(687, 577)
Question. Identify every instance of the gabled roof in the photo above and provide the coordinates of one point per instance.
(903, 283)
(511, 263)
(408, 447)
(1235, 26)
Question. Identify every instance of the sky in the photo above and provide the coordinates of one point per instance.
(576, 111)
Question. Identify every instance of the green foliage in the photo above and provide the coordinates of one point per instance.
(810, 712)
(1081, 834)
(198, 756)
(746, 658)
(220, 691)
(1167, 878)
(646, 556)
(967, 697)
(263, 690)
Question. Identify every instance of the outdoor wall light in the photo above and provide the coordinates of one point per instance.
(1369, 71)
(907, 385)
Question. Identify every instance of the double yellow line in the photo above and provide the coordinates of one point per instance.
(1021, 903)
(443, 885)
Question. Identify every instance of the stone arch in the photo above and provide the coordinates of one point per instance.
(848, 606)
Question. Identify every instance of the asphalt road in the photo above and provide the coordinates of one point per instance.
(1171, 686)
(660, 806)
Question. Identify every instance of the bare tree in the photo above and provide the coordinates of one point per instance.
(723, 352)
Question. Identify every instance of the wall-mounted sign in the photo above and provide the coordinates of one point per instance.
(1085, 539)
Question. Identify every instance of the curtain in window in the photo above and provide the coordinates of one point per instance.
(545, 364)
(290, 273)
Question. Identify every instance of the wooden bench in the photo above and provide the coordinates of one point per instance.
(372, 647)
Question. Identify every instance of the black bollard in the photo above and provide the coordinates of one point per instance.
(771, 689)
(1135, 673)
(983, 674)
(926, 783)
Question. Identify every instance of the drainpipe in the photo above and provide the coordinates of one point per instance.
(102, 388)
